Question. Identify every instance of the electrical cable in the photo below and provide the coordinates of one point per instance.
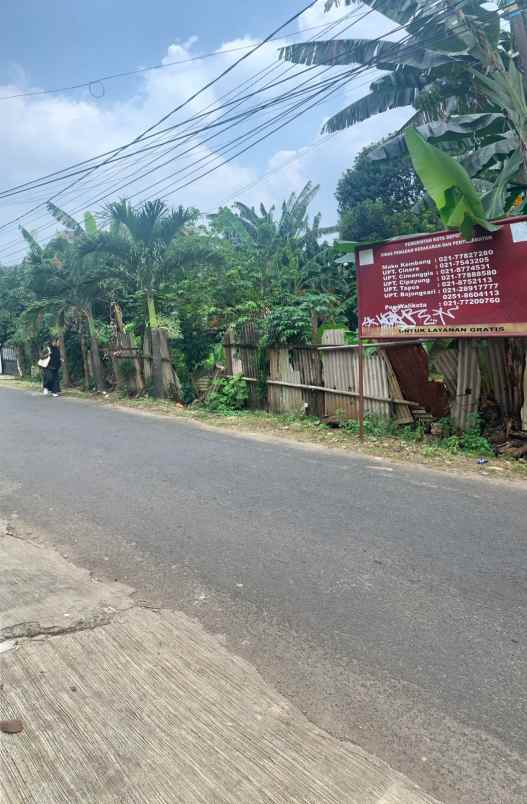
(339, 79)
(140, 70)
(278, 64)
(192, 97)
(62, 174)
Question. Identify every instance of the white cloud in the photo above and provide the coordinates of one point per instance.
(358, 20)
(42, 134)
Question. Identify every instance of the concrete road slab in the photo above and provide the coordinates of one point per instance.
(145, 707)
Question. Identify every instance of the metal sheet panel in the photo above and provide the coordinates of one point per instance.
(333, 337)
(307, 361)
(401, 413)
(410, 363)
(445, 362)
(468, 383)
(499, 377)
(340, 370)
(297, 366)
(9, 361)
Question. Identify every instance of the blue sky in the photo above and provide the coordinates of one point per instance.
(60, 43)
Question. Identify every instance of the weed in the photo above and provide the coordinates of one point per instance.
(451, 444)
(412, 434)
(373, 426)
(227, 394)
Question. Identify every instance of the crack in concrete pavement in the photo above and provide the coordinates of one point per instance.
(33, 629)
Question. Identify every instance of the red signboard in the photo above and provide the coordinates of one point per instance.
(440, 285)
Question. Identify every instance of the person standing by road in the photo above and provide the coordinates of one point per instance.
(44, 361)
(53, 382)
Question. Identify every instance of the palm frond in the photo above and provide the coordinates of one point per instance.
(172, 224)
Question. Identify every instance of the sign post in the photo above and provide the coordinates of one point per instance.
(441, 286)
(361, 390)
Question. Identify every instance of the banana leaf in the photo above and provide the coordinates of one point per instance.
(499, 199)
(64, 218)
(400, 11)
(484, 157)
(455, 129)
(449, 185)
(392, 91)
(90, 224)
(378, 53)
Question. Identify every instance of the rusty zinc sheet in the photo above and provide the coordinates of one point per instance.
(308, 363)
(237, 366)
(445, 362)
(401, 413)
(468, 383)
(410, 363)
(340, 370)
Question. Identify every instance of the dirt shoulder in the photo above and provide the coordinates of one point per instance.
(311, 431)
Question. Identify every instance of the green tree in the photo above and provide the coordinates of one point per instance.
(83, 272)
(393, 181)
(429, 70)
(282, 254)
(378, 200)
(140, 241)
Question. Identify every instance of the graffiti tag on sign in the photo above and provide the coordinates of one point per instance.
(443, 286)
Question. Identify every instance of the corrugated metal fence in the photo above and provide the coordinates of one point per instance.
(319, 381)
(9, 361)
(323, 380)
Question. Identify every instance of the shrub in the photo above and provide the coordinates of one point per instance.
(228, 394)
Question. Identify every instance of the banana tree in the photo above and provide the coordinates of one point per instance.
(48, 282)
(491, 147)
(428, 69)
(83, 273)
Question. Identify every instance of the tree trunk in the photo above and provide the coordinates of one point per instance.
(519, 36)
(123, 342)
(94, 349)
(26, 352)
(155, 343)
(157, 365)
(85, 363)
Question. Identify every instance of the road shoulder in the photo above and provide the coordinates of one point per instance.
(120, 702)
(295, 431)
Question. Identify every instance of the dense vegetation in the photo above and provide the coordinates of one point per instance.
(162, 279)
(168, 283)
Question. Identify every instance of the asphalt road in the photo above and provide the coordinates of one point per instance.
(388, 603)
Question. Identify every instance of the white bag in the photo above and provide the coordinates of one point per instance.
(44, 361)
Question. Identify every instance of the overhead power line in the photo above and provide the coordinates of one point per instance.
(251, 81)
(92, 83)
(182, 105)
(323, 87)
